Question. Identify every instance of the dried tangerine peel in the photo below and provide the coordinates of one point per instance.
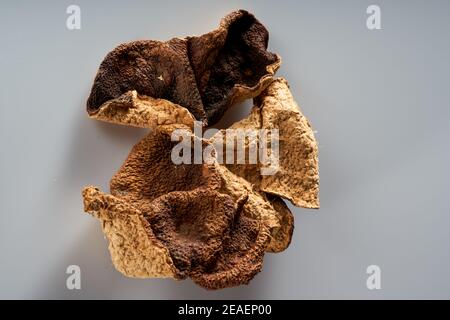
(237, 52)
(149, 172)
(280, 237)
(297, 175)
(210, 222)
(272, 212)
(160, 70)
(241, 258)
(189, 72)
(149, 178)
(204, 221)
(192, 225)
(197, 233)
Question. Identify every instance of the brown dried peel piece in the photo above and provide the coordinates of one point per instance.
(207, 237)
(297, 177)
(190, 210)
(232, 63)
(192, 226)
(241, 258)
(160, 70)
(149, 172)
(205, 74)
(199, 233)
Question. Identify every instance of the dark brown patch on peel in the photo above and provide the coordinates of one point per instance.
(207, 237)
(241, 258)
(242, 61)
(149, 172)
(152, 68)
(192, 225)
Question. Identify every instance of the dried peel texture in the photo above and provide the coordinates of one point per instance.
(208, 221)
(149, 172)
(270, 209)
(135, 251)
(183, 218)
(204, 74)
(296, 177)
(232, 63)
(208, 237)
(146, 112)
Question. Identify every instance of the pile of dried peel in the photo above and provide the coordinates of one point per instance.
(211, 222)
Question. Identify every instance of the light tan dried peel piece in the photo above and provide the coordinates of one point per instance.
(142, 111)
(297, 177)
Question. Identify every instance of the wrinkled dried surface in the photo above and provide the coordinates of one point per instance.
(281, 236)
(241, 258)
(149, 172)
(297, 177)
(192, 225)
(198, 233)
(135, 251)
(213, 226)
(204, 74)
(232, 63)
(271, 210)
(207, 221)
(208, 238)
(160, 70)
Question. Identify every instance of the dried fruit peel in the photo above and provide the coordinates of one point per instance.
(260, 206)
(237, 52)
(135, 110)
(297, 177)
(208, 238)
(210, 222)
(149, 172)
(189, 72)
(148, 185)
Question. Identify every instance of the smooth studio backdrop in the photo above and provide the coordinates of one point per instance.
(379, 100)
